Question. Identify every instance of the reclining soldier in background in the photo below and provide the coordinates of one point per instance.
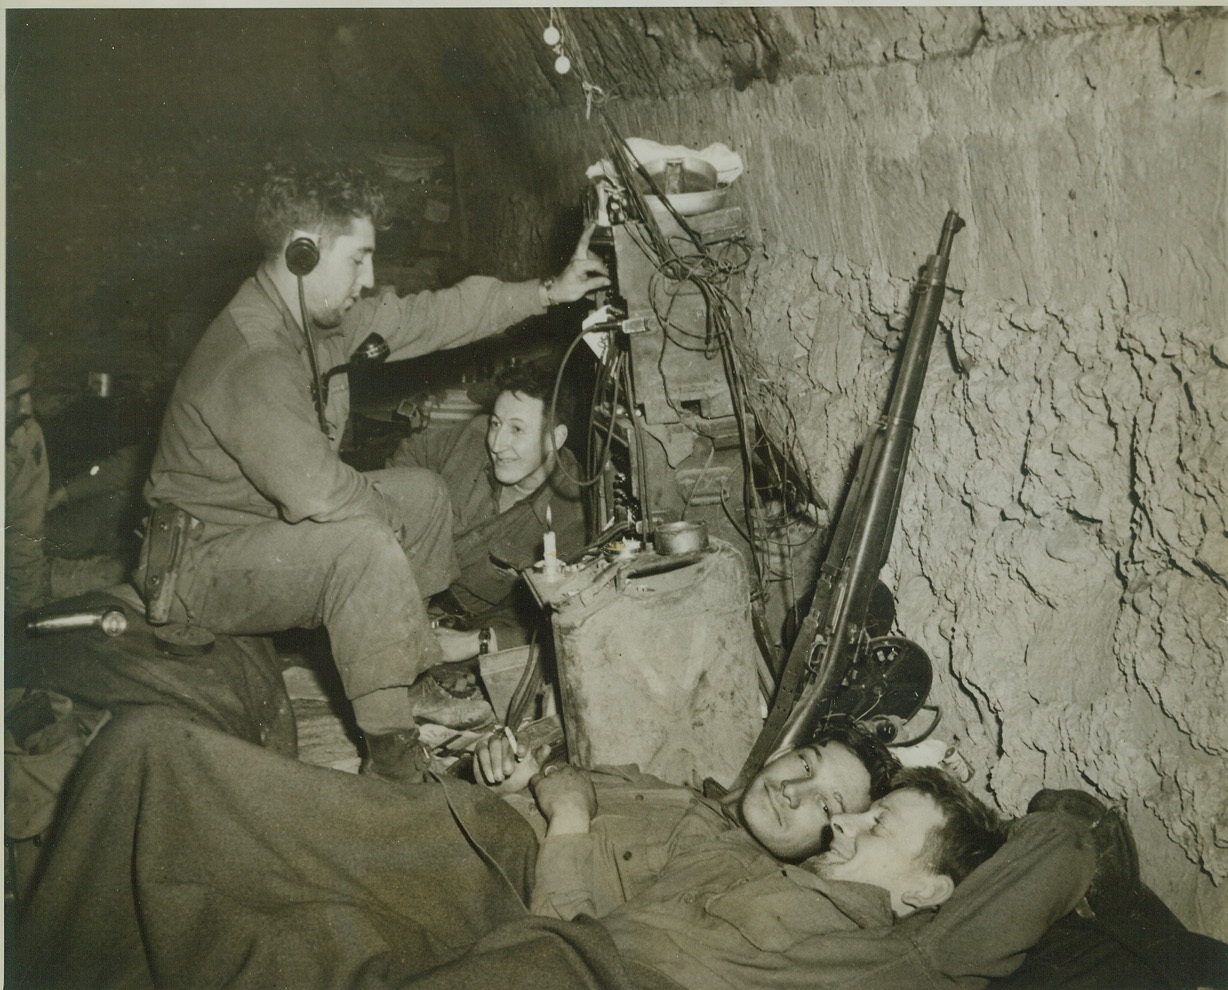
(787, 808)
(906, 892)
(425, 886)
(38, 569)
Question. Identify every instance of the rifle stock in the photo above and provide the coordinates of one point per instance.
(834, 635)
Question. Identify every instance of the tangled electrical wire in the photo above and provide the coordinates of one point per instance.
(774, 466)
(773, 461)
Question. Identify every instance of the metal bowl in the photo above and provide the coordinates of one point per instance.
(688, 204)
(698, 189)
(680, 537)
(693, 174)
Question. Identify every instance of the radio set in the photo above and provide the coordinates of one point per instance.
(669, 427)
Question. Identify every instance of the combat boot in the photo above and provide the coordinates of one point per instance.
(396, 756)
(1115, 886)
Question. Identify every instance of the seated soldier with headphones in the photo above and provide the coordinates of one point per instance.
(260, 522)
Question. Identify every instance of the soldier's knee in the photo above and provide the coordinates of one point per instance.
(141, 726)
(435, 492)
(367, 540)
(411, 483)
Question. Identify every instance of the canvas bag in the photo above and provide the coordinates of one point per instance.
(44, 737)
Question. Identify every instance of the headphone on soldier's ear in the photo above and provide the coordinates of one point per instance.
(302, 254)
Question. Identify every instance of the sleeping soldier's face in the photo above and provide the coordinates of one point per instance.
(789, 804)
(889, 846)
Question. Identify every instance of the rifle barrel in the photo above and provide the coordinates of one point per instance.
(837, 618)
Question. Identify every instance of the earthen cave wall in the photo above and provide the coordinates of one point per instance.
(1061, 551)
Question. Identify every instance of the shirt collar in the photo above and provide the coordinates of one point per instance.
(288, 319)
(865, 904)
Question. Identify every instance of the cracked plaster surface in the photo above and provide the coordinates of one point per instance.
(1061, 548)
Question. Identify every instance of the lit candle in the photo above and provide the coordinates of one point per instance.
(550, 550)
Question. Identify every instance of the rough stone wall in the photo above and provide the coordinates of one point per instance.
(1061, 549)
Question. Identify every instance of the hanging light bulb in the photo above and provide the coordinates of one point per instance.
(562, 65)
(551, 36)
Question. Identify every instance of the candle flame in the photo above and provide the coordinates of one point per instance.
(549, 521)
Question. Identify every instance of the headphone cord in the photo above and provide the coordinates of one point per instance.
(317, 390)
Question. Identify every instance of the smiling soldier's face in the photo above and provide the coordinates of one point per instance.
(517, 442)
(789, 804)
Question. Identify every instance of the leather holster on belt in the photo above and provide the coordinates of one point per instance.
(170, 528)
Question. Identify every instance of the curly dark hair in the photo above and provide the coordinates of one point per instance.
(536, 380)
(972, 832)
(866, 746)
(318, 196)
(529, 378)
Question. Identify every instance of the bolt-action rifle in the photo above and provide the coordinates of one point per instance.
(841, 662)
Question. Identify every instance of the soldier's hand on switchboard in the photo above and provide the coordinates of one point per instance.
(585, 273)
